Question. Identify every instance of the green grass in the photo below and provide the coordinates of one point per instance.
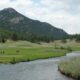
(17, 51)
(8, 54)
(71, 68)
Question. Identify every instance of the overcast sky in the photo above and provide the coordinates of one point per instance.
(63, 14)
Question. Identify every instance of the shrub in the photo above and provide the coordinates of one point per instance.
(62, 47)
(69, 49)
(13, 61)
(64, 41)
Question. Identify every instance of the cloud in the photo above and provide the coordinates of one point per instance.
(64, 14)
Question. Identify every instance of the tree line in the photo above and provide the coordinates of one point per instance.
(5, 35)
(28, 37)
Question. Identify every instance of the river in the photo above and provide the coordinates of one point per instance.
(35, 70)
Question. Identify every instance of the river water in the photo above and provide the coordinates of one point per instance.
(35, 70)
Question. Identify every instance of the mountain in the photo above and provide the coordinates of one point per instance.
(13, 22)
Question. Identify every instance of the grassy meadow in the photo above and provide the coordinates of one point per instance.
(20, 51)
(17, 51)
(27, 54)
(71, 68)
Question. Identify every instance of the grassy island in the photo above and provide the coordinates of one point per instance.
(71, 68)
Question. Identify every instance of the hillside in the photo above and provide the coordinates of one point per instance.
(13, 22)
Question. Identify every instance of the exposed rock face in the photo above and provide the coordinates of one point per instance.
(16, 20)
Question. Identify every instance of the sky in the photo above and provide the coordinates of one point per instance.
(64, 14)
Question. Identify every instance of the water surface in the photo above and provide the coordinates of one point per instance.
(35, 70)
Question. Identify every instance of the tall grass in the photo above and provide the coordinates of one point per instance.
(71, 68)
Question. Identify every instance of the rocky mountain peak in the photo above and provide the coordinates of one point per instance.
(10, 10)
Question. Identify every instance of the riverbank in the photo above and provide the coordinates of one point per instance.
(71, 68)
(15, 54)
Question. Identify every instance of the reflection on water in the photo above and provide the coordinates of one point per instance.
(34, 70)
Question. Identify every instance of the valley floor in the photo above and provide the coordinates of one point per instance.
(20, 51)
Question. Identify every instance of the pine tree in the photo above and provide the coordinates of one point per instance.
(14, 37)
